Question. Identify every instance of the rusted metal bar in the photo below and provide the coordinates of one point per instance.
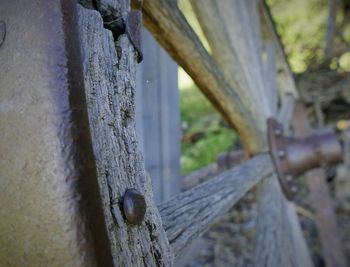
(51, 213)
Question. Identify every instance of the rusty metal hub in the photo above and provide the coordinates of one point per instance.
(294, 156)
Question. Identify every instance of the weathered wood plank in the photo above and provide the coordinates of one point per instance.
(270, 75)
(279, 240)
(286, 110)
(239, 58)
(158, 118)
(279, 236)
(188, 215)
(285, 80)
(170, 28)
(110, 90)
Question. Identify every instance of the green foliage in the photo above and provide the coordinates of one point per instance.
(205, 134)
(301, 25)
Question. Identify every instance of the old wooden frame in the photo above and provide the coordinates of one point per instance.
(107, 70)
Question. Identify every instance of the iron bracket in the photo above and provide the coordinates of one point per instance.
(294, 156)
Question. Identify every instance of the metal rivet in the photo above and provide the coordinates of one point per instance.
(281, 153)
(134, 206)
(2, 32)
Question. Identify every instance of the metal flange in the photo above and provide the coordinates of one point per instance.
(294, 156)
(277, 151)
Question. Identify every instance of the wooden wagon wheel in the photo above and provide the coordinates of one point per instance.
(70, 86)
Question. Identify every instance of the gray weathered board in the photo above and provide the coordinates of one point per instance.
(158, 118)
(110, 85)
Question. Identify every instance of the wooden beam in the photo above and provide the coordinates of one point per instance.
(279, 241)
(240, 60)
(279, 237)
(270, 73)
(285, 113)
(191, 213)
(170, 28)
(285, 80)
(109, 80)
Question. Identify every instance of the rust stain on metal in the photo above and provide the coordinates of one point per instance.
(294, 156)
(2, 32)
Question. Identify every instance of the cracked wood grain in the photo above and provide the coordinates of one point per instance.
(109, 75)
(191, 213)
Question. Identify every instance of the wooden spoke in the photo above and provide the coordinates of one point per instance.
(279, 237)
(191, 213)
(166, 22)
(285, 80)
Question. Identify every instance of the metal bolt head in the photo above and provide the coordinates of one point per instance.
(2, 32)
(134, 206)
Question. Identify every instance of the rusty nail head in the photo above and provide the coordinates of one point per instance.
(134, 206)
(2, 32)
